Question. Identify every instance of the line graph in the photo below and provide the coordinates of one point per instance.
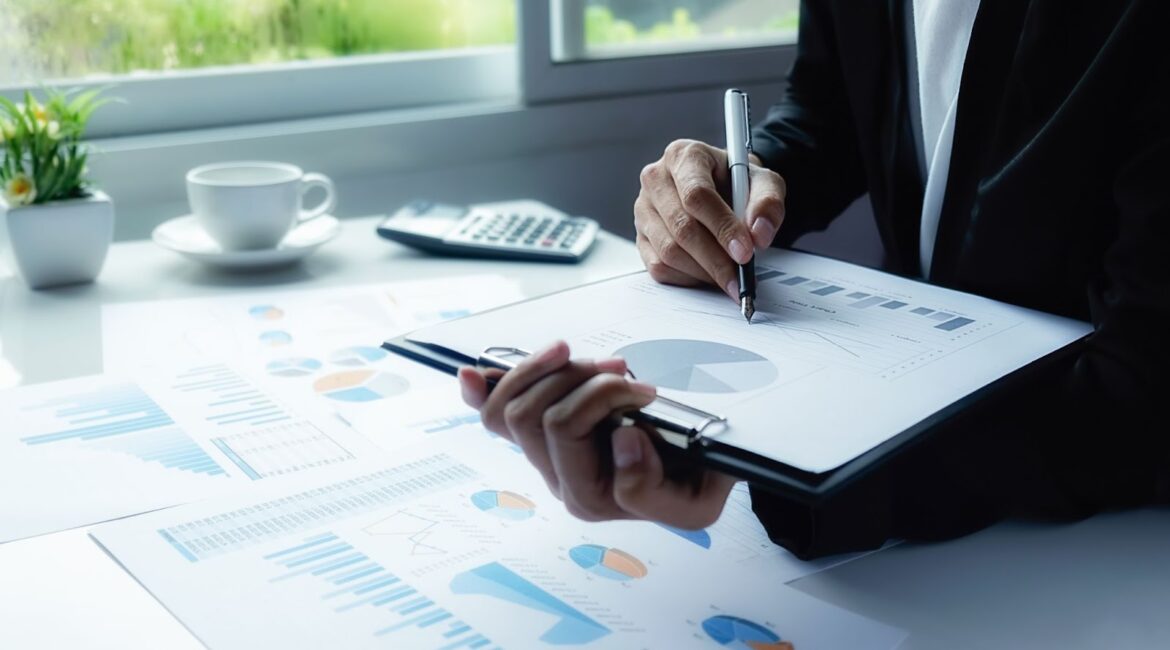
(798, 334)
(413, 529)
(825, 341)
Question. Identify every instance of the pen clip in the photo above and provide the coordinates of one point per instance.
(747, 120)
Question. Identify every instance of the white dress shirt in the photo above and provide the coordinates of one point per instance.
(942, 31)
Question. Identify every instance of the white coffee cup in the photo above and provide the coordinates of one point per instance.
(253, 205)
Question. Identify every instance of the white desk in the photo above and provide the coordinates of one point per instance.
(1100, 583)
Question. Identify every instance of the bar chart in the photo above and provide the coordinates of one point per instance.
(831, 324)
(936, 318)
(169, 447)
(203, 538)
(352, 581)
(123, 419)
(229, 398)
(439, 425)
(100, 413)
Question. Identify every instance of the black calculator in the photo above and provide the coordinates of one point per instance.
(519, 230)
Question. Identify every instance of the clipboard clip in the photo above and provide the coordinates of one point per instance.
(669, 416)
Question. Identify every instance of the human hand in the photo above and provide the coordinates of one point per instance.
(687, 233)
(555, 408)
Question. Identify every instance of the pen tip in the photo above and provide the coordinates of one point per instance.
(747, 308)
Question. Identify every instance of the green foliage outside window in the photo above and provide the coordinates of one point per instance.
(73, 38)
(602, 27)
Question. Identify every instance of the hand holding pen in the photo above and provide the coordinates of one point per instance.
(687, 233)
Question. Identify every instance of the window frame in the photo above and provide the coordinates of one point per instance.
(204, 98)
(525, 73)
(557, 26)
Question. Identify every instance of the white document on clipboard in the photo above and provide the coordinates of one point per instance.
(839, 358)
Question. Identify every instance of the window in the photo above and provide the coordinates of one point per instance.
(591, 48)
(599, 29)
(195, 64)
(71, 39)
(184, 64)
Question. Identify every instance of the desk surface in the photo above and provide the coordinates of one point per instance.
(1098, 583)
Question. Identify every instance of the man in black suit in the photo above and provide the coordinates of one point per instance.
(1031, 165)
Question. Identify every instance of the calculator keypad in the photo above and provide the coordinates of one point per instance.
(553, 234)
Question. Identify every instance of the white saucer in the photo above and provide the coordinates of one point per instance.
(186, 237)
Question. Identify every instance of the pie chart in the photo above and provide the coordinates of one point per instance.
(266, 312)
(357, 356)
(505, 505)
(275, 338)
(294, 367)
(360, 385)
(698, 366)
(608, 562)
(742, 634)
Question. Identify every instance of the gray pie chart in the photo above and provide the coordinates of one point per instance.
(698, 366)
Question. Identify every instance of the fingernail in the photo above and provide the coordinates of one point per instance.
(732, 289)
(615, 364)
(739, 251)
(643, 389)
(763, 231)
(627, 449)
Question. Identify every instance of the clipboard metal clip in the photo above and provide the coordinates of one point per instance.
(665, 414)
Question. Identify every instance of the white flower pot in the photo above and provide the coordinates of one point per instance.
(58, 243)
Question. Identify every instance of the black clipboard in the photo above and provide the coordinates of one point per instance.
(689, 441)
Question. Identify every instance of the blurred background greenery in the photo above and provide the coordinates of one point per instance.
(60, 39)
(74, 38)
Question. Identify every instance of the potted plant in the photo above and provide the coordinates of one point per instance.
(58, 228)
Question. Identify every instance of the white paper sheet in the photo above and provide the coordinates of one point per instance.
(87, 450)
(838, 359)
(457, 547)
(318, 348)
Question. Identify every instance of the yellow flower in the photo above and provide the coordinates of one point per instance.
(20, 190)
(7, 131)
(39, 113)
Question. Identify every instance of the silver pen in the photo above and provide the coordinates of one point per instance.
(737, 118)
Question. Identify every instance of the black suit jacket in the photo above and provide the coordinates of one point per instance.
(1058, 198)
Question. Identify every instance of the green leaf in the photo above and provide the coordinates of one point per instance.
(10, 107)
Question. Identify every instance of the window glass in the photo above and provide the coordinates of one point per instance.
(616, 28)
(71, 39)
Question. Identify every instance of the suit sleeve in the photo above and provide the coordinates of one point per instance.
(809, 137)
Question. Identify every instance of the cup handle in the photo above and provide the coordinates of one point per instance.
(308, 183)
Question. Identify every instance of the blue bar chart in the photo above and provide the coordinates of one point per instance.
(169, 447)
(230, 399)
(200, 539)
(447, 424)
(101, 413)
(351, 581)
(123, 419)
